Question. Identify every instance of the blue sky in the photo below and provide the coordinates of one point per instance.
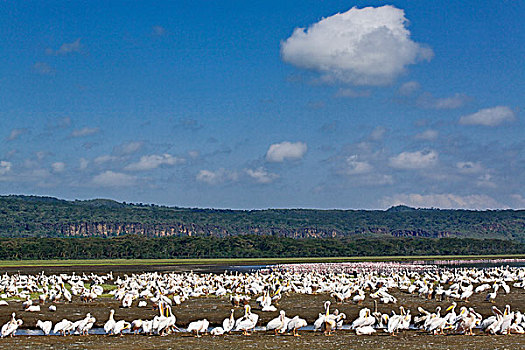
(236, 104)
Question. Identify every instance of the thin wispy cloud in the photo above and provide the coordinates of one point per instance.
(154, 161)
(66, 48)
(43, 68)
(158, 31)
(261, 175)
(16, 133)
(113, 179)
(86, 131)
(5, 167)
(58, 167)
(489, 117)
(429, 101)
(215, 177)
(427, 135)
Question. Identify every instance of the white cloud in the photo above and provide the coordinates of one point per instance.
(113, 179)
(153, 161)
(351, 93)
(128, 147)
(215, 177)
(66, 48)
(58, 167)
(105, 158)
(261, 175)
(485, 180)
(427, 135)
(194, 154)
(83, 163)
(445, 201)
(378, 133)
(5, 167)
(279, 152)
(427, 100)
(489, 116)
(43, 68)
(369, 46)
(355, 167)
(158, 30)
(414, 160)
(409, 88)
(84, 132)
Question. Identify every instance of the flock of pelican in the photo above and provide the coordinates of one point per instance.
(342, 283)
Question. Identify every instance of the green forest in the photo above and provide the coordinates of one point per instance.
(34, 227)
(248, 246)
(32, 216)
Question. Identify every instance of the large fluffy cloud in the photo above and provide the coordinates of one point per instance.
(414, 160)
(489, 116)
(369, 46)
(445, 201)
(279, 152)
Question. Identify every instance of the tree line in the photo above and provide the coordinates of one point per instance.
(245, 246)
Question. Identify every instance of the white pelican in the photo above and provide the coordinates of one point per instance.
(120, 326)
(450, 318)
(492, 296)
(318, 324)
(247, 322)
(33, 308)
(65, 293)
(393, 324)
(147, 326)
(11, 326)
(365, 330)
(110, 324)
(136, 325)
(197, 327)
(217, 331)
(277, 324)
(507, 319)
(45, 326)
(364, 319)
(294, 324)
(437, 324)
(52, 308)
(86, 324)
(63, 326)
(228, 323)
